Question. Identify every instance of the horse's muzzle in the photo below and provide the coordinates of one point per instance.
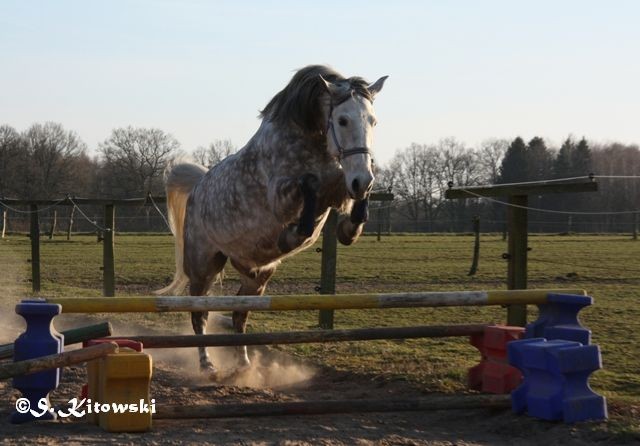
(360, 186)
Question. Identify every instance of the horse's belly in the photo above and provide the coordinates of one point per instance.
(258, 246)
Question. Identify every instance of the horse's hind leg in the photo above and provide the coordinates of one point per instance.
(252, 284)
(202, 269)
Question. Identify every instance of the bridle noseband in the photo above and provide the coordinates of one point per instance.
(342, 152)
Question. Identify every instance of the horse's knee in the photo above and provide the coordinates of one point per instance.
(309, 185)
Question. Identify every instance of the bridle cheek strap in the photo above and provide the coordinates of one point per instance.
(342, 152)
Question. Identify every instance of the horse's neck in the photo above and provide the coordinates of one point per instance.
(290, 152)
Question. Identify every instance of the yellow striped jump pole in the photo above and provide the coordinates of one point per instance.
(303, 302)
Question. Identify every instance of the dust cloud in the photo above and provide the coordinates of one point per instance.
(269, 369)
(11, 326)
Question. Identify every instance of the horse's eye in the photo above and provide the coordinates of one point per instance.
(342, 121)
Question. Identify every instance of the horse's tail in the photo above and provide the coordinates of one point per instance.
(180, 179)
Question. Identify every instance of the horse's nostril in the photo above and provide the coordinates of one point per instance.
(355, 186)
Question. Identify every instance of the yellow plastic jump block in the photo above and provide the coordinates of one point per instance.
(120, 382)
(125, 378)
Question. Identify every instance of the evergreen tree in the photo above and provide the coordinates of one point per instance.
(514, 163)
(581, 159)
(538, 160)
(563, 162)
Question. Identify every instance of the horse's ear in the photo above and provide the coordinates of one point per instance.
(375, 88)
(335, 90)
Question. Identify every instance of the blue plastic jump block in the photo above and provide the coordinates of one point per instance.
(39, 339)
(555, 384)
(558, 319)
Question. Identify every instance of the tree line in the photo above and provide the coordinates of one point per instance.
(420, 174)
(48, 161)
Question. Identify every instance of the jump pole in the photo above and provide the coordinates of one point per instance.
(13, 369)
(163, 304)
(71, 336)
(300, 337)
(440, 402)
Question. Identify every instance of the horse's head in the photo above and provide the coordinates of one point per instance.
(320, 101)
(349, 131)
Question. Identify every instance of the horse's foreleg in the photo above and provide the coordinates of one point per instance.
(349, 229)
(292, 198)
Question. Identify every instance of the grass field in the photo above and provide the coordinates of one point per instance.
(608, 267)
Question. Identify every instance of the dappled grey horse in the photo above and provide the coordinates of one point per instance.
(270, 200)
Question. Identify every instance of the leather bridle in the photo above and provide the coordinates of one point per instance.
(342, 152)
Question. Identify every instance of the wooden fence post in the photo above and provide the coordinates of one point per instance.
(4, 220)
(54, 222)
(69, 228)
(328, 266)
(108, 261)
(636, 223)
(517, 225)
(35, 249)
(517, 256)
(476, 246)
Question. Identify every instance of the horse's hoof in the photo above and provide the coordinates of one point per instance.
(345, 237)
(209, 371)
(243, 367)
(238, 372)
(214, 377)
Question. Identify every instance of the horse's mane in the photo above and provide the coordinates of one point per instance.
(300, 101)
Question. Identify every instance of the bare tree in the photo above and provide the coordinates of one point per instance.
(490, 155)
(48, 160)
(215, 152)
(460, 166)
(10, 147)
(134, 160)
(406, 174)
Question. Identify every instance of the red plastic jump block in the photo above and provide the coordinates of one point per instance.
(494, 374)
(122, 343)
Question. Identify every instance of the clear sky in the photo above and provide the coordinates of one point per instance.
(201, 70)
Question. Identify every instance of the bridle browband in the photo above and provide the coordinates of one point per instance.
(342, 152)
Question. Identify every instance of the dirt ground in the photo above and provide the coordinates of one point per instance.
(275, 376)
(171, 385)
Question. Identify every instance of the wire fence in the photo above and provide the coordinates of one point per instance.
(152, 222)
(385, 217)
